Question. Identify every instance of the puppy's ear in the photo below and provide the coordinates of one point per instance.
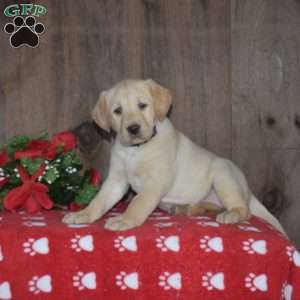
(162, 99)
(100, 113)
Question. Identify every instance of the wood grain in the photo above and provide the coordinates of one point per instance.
(265, 101)
(232, 67)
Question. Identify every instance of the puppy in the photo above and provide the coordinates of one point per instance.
(161, 165)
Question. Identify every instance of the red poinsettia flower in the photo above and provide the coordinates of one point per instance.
(50, 153)
(95, 178)
(28, 153)
(31, 195)
(4, 158)
(38, 145)
(66, 140)
(48, 150)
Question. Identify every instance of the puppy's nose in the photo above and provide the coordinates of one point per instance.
(134, 129)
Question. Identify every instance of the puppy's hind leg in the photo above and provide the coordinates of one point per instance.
(199, 209)
(231, 186)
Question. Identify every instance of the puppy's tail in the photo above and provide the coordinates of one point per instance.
(259, 210)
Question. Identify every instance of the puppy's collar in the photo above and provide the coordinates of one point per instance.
(152, 136)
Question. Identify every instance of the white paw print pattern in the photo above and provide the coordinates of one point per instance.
(5, 291)
(1, 254)
(253, 246)
(170, 281)
(213, 281)
(209, 244)
(293, 255)
(124, 280)
(85, 281)
(82, 243)
(32, 218)
(202, 218)
(34, 223)
(164, 225)
(40, 284)
(208, 224)
(287, 291)
(126, 243)
(170, 243)
(78, 225)
(38, 246)
(248, 228)
(256, 282)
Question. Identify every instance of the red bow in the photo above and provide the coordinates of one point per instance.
(31, 195)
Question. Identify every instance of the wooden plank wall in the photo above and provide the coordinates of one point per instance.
(232, 67)
(266, 104)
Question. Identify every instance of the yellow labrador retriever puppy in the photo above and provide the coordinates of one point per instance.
(162, 165)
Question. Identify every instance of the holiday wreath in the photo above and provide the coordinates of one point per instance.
(44, 173)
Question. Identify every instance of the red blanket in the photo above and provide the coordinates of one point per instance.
(166, 258)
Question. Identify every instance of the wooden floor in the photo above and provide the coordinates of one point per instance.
(233, 68)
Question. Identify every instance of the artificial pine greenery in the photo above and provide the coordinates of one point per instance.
(63, 175)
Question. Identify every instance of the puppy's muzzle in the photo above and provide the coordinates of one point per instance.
(134, 129)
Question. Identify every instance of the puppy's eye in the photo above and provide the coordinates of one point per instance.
(142, 105)
(118, 110)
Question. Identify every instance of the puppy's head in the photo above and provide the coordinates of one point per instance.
(131, 108)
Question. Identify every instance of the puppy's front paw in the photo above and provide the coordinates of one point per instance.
(79, 217)
(119, 223)
(230, 217)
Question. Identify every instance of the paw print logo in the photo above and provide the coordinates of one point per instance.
(5, 292)
(168, 281)
(82, 243)
(213, 281)
(287, 291)
(85, 281)
(40, 284)
(24, 31)
(170, 243)
(209, 244)
(124, 280)
(293, 255)
(256, 282)
(125, 243)
(255, 246)
(39, 246)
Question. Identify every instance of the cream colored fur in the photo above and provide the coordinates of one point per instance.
(167, 169)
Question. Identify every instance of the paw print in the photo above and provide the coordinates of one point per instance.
(286, 291)
(252, 246)
(39, 246)
(24, 31)
(124, 280)
(120, 280)
(256, 282)
(208, 224)
(249, 282)
(213, 281)
(168, 281)
(125, 243)
(293, 255)
(28, 247)
(248, 228)
(40, 284)
(203, 243)
(82, 243)
(170, 243)
(160, 243)
(209, 244)
(85, 281)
